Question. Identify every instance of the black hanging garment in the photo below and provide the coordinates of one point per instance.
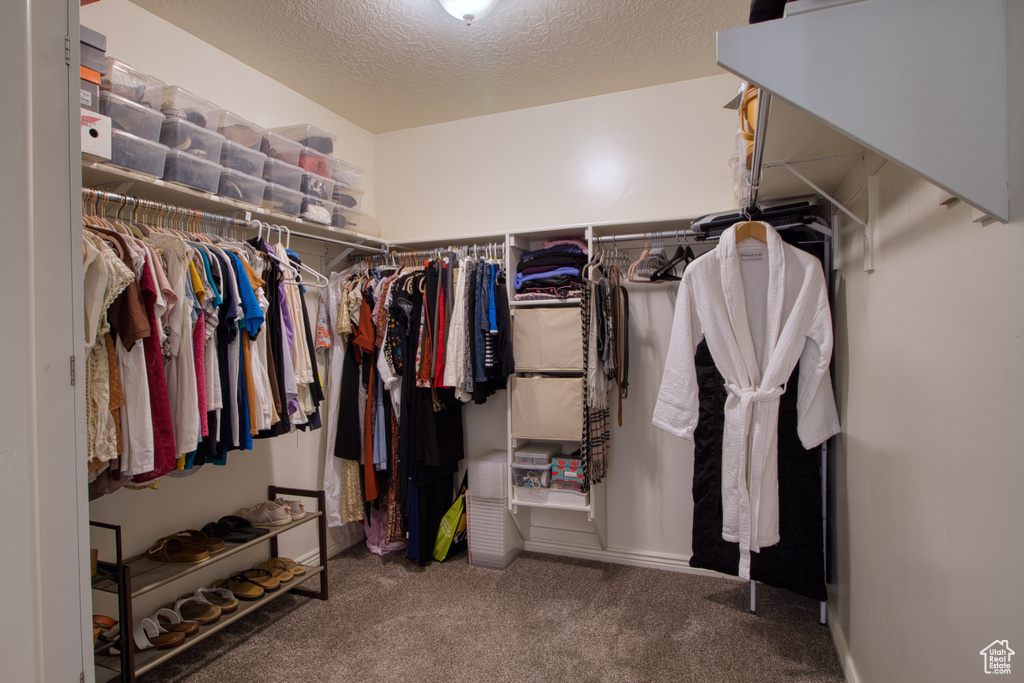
(797, 562)
(766, 10)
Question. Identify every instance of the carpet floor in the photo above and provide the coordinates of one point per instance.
(544, 618)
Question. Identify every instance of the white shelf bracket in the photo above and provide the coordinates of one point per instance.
(874, 187)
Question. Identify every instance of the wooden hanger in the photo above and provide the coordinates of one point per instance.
(751, 229)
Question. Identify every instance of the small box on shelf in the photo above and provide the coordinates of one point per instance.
(317, 186)
(242, 159)
(314, 162)
(349, 197)
(346, 173)
(531, 476)
(309, 135)
(132, 84)
(180, 103)
(136, 154)
(95, 136)
(537, 453)
(130, 117)
(317, 210)
(282, 173)
(189, 170)
(239, 130)
(181, 135)
(89, 97)
(282, 200)
(242, 187)
(345, 218)
(281, 148)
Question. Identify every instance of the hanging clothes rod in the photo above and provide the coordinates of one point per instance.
(183, 212)
(637, 236)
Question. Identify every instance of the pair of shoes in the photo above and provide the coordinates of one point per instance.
(296, 508)
(284, 565)
(198, 538)
(149, 635)
(196, 608)
(266, 514)
(234, 529)
(175, 551)
(244, 586)
(218, 597)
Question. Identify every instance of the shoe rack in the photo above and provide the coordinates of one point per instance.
(135, 576)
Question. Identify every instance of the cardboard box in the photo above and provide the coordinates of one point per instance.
(93, 58)
(92, 38)
(95, 136)
(567, 472)
(90, 97)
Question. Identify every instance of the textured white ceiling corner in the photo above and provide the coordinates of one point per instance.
(391, 64)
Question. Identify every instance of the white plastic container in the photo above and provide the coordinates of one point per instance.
(317, 210)
(238, 130)
(281, 148)
(314, 162)
(242, 159)
(284, 174)
(137, 119)
(180, 103)
(183, 136)
(308, 135)
(282, 200)
(345, 218)
(531, 476)
(132, 84)
(317, 186)
(536, 453)
(191, 171)
(136, 154)
(349, 197)
(488, 476)
(241, 187)
(346, 173)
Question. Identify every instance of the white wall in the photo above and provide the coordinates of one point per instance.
(651, 153)
(155, 46)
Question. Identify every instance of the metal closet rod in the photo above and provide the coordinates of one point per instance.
(637, 236)
(498, 247)
(206, 215)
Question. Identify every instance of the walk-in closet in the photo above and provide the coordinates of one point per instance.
(512, 340)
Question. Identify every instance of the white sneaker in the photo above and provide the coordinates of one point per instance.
(267, 513)
(296, 508)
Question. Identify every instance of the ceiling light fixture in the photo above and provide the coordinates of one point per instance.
(469, 10)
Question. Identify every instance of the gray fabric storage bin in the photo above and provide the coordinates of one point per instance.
(547, 407)
(546, 339)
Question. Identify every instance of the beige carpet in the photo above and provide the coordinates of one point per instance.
(544, 618)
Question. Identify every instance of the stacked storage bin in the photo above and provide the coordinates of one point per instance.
(316, 187)
(132, 99)
(494, 538)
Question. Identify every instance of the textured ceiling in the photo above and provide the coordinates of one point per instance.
(392, 64)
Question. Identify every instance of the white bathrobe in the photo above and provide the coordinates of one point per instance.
(762, 309)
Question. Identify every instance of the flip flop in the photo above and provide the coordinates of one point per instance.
(173, 551)
(276, 570)
(264, 578)
(169, 621)
(234, 529)
(221, 597)
(195, 608)
(149, 636)
(241, 587)
(290, 565)
(103, 622)
(198, 538)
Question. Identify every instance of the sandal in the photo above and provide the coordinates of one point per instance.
(241, 587)
(221, 597)
(263, 578)
(195, 608)
(234, 529)
(173, 551)
(198, 538)
(103, 622)
(276, 569)
(170, 621)
(290, 565)
(149, 636)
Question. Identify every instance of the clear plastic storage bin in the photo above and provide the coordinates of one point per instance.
(281, 148)
(282, 200)
(309, 135)
(349, 197)
(346, 173)
(537, 453)
(191, 171)
(132, 84)
(182, 104)
(345, 218)
(239, 130)
(242, 187)
(314, 162)
(317, 186)
(284, 174)
(242, 159)
(317, 210)
(137, 119)
(136, 154)
(183, 136)
(531, 476)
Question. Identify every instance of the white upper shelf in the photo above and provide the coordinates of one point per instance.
(921, 82)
